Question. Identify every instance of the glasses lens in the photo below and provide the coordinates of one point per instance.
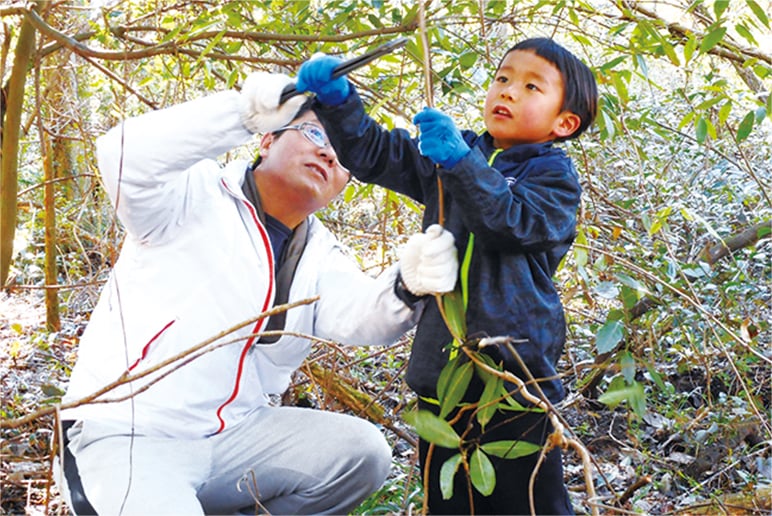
(314, 134)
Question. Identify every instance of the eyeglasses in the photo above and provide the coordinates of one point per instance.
(312, 132)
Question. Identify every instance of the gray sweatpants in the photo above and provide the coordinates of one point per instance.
(294, 460)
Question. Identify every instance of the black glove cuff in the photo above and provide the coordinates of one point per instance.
(402, 292)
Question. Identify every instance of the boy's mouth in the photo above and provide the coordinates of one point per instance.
(501, 111)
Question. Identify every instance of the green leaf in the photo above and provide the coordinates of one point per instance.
(619, 392)
(447, 472)
(690, 47)
(482, 473)
(510, 449)
(493, 385)
(467, 59)
(759, 12)
(609, 335)
(724, 111)
(702, 130)
(455, 389)
(453, 304)
(580, 254)
(719, 6)
(712, 39)
(433, 429)
(746, 126)
(743, 31)
(629, 297)
(627, 364)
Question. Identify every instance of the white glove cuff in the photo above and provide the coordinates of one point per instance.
(260, 109)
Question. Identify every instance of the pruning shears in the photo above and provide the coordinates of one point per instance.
(352, 64)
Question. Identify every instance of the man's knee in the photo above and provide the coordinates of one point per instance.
(365, 455)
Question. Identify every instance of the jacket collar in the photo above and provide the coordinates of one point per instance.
(516, 153)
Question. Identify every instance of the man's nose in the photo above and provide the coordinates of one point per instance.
(328, 154)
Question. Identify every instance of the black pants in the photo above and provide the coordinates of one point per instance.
(512, 475)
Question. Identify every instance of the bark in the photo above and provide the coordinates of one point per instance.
(9, 167)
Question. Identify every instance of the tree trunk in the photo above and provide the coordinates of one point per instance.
(9, 167)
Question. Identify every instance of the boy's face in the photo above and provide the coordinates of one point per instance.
(524, 102)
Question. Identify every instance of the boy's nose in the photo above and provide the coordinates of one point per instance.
(509, 92)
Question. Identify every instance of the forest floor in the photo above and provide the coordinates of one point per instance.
(661, 470)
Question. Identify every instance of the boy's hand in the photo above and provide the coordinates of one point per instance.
(315, 75)
(429, 262)
(260, 109)
(439, 139)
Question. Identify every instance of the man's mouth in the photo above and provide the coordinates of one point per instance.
(319, 170)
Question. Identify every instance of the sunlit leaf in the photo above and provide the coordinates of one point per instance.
(719, 6)
(467, 59)
(712, 39)
(447, 473)
(482, 473)
(759, 12)
(433, 429)
(743, 31)
(690, 47)
(702, 130)
(746, 126)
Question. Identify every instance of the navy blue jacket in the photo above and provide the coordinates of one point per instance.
(522, 211)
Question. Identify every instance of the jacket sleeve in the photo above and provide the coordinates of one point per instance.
(354, 308)
(149, 163)
(535, 213)
(374, 154)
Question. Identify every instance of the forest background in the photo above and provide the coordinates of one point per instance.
(667, 289)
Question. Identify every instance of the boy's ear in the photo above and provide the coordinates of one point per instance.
(566, 124)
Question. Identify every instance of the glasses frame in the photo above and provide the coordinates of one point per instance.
(312, 132)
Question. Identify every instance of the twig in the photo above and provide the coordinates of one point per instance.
(184, 356)
(630, 491)
(557, 437)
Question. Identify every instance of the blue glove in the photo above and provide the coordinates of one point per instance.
(315, 75)
(439, 139)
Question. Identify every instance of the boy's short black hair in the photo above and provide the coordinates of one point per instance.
(580, 92)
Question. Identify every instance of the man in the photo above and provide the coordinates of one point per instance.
(206, 249)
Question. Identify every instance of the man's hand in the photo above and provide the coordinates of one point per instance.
(439, 139)
(315, 75)
(429, 262)
(260, 110)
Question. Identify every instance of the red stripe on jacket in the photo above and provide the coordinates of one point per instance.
(260, 323)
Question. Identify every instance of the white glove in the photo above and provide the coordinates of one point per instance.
(260, 109)
(428, 262)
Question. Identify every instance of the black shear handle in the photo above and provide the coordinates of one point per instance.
(348, 66)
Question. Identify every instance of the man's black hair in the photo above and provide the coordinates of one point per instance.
(580, 92)
(304, 108)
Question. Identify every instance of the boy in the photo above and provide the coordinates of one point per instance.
(512, 197)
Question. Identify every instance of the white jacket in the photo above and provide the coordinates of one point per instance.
(196, 262)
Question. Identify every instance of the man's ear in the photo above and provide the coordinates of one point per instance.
(265, 143)
(566, 124)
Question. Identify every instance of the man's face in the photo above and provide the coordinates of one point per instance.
(524, 101)
(302, 160)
